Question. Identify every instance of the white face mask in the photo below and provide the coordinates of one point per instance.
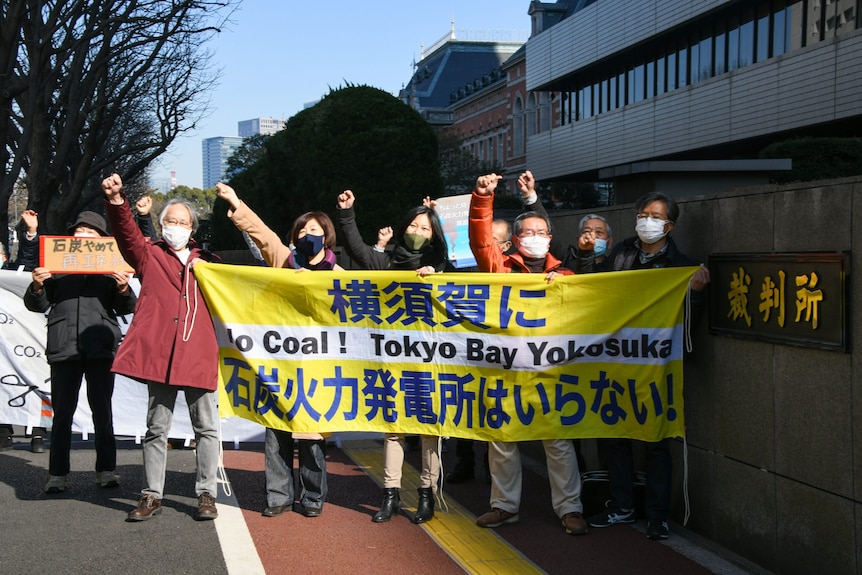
(176, 236)
(534, 246)
(86, 234)
(650, 230)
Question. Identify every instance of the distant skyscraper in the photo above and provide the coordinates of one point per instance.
(262, 126)
(216, 152)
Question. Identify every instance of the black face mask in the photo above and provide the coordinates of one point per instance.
(309, 245)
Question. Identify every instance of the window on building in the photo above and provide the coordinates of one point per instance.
(720, 50)
(531, 114)
(650, 78)
(682, 74)
(705, 62)
(660, 78)
(762, 33)
(795, 19)
(746, 43)
(518, 127)
(671, 71)
(544, 111)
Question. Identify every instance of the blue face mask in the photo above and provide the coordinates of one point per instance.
(309, 245)
(600, 247)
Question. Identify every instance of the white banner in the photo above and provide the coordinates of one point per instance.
(25, 378)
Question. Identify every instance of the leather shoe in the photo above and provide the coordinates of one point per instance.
(575, 524)
(275, 510)
(147, 507)
(206, 507)
(307, 511)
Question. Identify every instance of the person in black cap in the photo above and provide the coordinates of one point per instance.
(83, 335)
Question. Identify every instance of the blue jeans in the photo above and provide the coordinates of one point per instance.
(278, 456)
(160, 413)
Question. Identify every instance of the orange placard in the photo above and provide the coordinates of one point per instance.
(71, 255)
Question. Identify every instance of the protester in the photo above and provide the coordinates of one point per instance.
(419, 246)
(83, 335)
(532, 238)
(27, 259)
(652, 247)
(594, 233)
(313, 237)
(465, 454)
(170, 346)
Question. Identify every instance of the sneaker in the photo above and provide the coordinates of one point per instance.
(108, 479)
(206, 507)
(574, 523)
(37, 444)
(56, 484)
(657, 529)
(612, 516)
(496, 517)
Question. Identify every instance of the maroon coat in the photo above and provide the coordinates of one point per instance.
(153, 348)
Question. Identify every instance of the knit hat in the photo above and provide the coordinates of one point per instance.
(91, 220)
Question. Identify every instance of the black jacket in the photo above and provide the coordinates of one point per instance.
(625, 256)
(28, 254)
(82, 323)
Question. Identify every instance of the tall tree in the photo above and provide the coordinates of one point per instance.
(96, 86)
(357, 137)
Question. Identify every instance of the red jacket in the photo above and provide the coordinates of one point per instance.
(488, 256)
(153, 348)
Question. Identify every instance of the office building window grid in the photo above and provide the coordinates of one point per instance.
(737, 36)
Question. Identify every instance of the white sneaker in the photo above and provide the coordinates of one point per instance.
(107, 478)
(56, 484)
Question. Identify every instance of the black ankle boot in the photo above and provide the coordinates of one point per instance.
(391, 505)
(425, 509)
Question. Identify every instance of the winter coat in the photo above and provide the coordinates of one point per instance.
(171, 339)
(28, 254)
(365, 256)
(488, 256)
(82, 323)
(274, 253)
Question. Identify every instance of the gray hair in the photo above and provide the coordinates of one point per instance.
(588, 217)
(526, 216)
(193, 215)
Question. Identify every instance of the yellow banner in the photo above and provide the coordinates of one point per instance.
(502, 357)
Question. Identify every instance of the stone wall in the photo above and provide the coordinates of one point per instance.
(774, 432)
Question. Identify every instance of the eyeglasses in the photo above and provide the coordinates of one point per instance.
(175, 222)
(530, 233)
(653, 216)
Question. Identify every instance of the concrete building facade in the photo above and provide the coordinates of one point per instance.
(644, 80)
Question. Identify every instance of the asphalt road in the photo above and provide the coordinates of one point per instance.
(83, 530)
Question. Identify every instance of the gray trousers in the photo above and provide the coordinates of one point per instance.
(160, 413)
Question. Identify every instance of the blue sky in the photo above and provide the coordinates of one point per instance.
(279, 55)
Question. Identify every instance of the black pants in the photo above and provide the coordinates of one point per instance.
(65, 385)
(659, 468)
